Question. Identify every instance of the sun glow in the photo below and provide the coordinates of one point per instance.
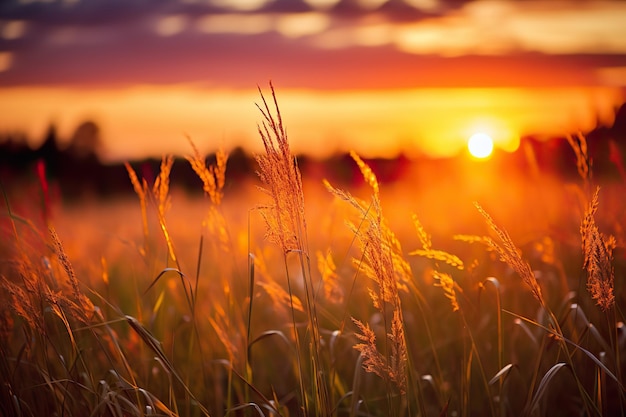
(480, 145)
(148, 120)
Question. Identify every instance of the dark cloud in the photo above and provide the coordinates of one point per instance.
(81, 13)
(106, 12)
(114, 42)
(133, 56)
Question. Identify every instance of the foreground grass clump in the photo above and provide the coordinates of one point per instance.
(319, 316)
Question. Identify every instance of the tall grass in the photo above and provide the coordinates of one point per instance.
(313, 320)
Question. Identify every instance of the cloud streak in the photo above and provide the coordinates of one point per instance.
(166, 41)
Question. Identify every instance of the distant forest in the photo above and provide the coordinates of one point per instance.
(73, 163)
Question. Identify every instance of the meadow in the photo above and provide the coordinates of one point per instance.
(464, 289)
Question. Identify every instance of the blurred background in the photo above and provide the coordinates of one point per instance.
(86, 85)
(384, 78)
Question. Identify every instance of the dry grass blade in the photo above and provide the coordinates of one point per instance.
(266, 403)
(187, 288)
(251, 268)
(577, 313)
(158, 404)
(270, 333)
(496, 285)
(502, 373)
(574, 344)
(161, 274)
(221, 329)
(355, 394)
(155, 346)
(152, 342)
(527, 331)
(543, 385)
(244, 406)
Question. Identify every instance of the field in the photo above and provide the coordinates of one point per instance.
(457, 289)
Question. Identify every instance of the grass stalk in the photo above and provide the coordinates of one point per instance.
(496, 285)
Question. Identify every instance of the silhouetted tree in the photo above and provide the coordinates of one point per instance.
(85, 141)
(619, 126)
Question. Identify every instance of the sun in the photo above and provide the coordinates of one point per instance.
(480, 145)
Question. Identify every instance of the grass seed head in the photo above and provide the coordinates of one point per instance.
(214, 176)
(446, 283)
(279, 172)
(330, 279)
(160, 190)
(424, 237)
(79, 305)
(598, 258)
(511, 255)
(583, 160)
(368, 174)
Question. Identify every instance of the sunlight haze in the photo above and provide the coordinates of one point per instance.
(153, 120)
(416, 77)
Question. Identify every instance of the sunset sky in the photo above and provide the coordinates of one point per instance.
(380, 77)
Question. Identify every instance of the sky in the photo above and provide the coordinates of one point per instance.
(381, 77)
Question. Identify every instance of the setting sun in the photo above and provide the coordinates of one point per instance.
(480, 145)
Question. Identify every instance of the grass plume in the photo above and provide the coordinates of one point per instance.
(598, 257)
(382, 262)
(286, 226)
(214, 176)
(511, 255)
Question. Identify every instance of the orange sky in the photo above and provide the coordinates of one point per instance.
(380, 77)
(152, 120)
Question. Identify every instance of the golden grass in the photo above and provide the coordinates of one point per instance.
(583, 160)
(341, 322)
(141, 189)
(511, 255)
(598, 257)
(213, 177)
(330, 279)
(448, 286)
(278, 171)
(382, 261)
(286, 227)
